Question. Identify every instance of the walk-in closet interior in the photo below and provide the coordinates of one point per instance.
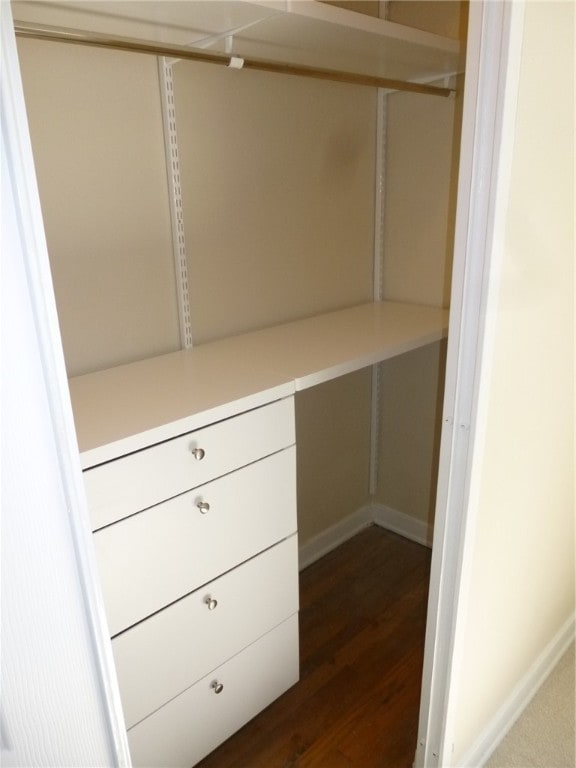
(251, 256)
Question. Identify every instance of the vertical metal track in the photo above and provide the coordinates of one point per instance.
(175, 195)
(378, 290)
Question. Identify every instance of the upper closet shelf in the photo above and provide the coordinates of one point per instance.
(297, 32)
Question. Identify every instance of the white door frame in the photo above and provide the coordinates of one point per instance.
(492, 73)
(62, 645)
(495, 30)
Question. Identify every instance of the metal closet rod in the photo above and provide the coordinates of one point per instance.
(80, 37)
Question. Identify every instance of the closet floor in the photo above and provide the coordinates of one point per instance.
(362, 622)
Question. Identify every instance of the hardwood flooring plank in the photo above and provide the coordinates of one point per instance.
(362, 624)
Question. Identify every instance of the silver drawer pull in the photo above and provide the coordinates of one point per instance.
(210, 602)
(217, 687)
(198, 453)
(203, 506)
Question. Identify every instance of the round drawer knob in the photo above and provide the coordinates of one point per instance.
(198, 453)
(211, 603)
(203, 506)
(217, 687)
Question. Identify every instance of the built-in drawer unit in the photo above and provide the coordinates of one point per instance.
(187, 640)
(190, 726)
(196, 544)
(156, 556)
(119, 488)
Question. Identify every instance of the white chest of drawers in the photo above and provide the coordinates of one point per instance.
(189, 469)
(195, 540)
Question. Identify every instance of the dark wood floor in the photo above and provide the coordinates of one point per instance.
(362, 620)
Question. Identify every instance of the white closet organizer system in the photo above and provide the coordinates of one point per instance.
(189, 458)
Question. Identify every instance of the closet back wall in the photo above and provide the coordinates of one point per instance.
(278, 180)
(423, 147)
(278, 177)
(278, 194)
(96, 127)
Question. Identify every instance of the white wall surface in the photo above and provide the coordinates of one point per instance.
(51, 708)
(521, 578)
(59, 693)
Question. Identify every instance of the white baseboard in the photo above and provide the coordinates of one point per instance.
(404, 525)
(332, 537)
(416, 530)
(520, 697)
(371, 514)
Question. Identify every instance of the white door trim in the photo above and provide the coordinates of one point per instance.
(32, 249)
(492, 70)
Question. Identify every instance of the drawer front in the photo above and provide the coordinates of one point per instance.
(127, 485)
(157, 556)
(190, 726)
(171, 650)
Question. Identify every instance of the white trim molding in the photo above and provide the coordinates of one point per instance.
(520, 697)
(332, 537)
(370, 514)
(493, 55)
(402, 524)
(69, 624)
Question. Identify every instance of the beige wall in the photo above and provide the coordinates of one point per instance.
(368, 7)
(443, 17)
(278, 184)
(96, 131)
(412, 386)
(333, 427)
(422, 147)
(422, 153)
(278, 195)
(521, 589)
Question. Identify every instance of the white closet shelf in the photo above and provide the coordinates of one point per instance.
(126, 408)
(300, 32)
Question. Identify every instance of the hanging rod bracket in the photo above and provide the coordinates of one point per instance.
(236, 62)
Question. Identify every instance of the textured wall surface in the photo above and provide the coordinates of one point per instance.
(521, 589)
